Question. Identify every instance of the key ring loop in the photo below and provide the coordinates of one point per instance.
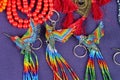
(80, 56)
(52, 20)
(37, 48)
(114, 58)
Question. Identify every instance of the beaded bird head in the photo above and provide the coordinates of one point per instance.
(28, 38)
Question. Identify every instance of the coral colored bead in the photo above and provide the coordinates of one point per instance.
(29, 15)
(26, 21)
(20, 25)
(16, 18)
(20, 21)
(40, 21)
(15, 24)
(34, 14)
(25, 26)
(11, 20)
(36, 18)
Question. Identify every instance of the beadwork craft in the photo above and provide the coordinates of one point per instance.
(90, 42)
(3, 4)
(30, 71)
(54, 59)
(42, 8)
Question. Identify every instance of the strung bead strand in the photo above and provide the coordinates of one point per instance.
(38, 14)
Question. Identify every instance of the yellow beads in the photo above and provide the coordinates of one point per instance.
(3, 4)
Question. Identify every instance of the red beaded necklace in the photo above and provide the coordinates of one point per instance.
(42, 9)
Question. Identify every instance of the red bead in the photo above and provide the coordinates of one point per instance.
(40, 16)
(37, 10)
(40, 21)
(16, 18)
(26, 21)
(15, 24)
(13, 10)
(19, 25)
(8, 9)
(43, 12)
(29, 15)
(20, 21)
(11, 20)
(15, 14)
(34, 14)
(9, 16)
(36, 18)
(9, 13)
(25, 26)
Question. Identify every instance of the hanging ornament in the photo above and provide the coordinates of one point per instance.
(36, 9)
(89, 43)
(3, 4)
(30, 70)
(56, 62)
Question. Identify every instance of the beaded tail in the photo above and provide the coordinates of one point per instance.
(102, 64)
(90, 69)
(30, 67)
(53, 58)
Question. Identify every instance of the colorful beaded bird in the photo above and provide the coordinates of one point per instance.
(54, 59)
(90, 42)
(30, 63)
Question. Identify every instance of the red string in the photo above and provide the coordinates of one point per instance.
(96, 11)
(78, 25)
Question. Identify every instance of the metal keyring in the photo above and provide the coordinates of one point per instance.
(81, 56)
(114, 58)
(57, 16)
(39, 45)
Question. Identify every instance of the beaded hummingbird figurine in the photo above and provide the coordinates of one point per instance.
(90, 42)
(54, 59)
(30, 71)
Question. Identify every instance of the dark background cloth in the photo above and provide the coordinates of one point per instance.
(11, 61)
